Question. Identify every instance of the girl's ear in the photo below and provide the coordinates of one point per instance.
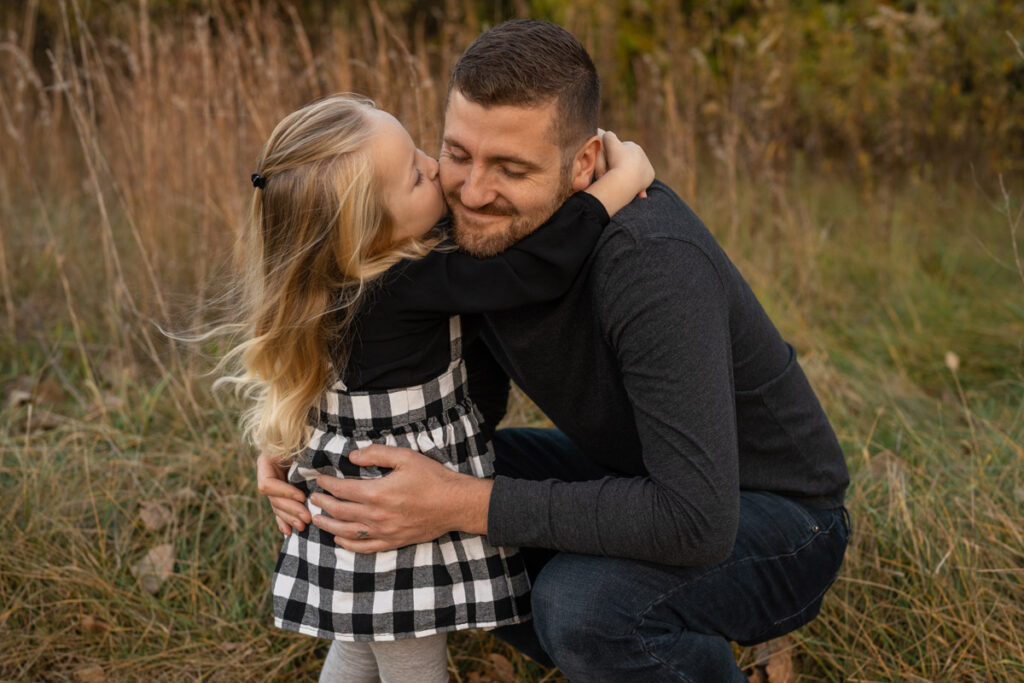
(584, 163)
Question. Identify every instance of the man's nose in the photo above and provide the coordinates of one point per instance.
(476, 189)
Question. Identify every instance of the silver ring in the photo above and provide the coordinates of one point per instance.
(363, 535)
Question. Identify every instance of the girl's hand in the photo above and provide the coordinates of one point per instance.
(622, 172)
(287, 501)
(627, 160)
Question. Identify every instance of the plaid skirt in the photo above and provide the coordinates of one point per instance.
(458, 581)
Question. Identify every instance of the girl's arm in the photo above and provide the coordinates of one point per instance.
(629, 173)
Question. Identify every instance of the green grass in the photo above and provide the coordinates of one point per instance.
(121, 223)
(933, 585)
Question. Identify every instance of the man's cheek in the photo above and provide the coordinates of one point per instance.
(449, 175)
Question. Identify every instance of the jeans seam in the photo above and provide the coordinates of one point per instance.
(720, 567)
(750, 558)
(646, 650)
(807, 605)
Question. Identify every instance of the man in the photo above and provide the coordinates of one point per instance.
(693, 492)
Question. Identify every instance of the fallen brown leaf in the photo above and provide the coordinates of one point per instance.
(39, 420)
(91, 673)
(90, 624)
(776, 658)
(780, 668)
(155, 568)
(501, 668)
(154, 515)
(112, 402)
(186, 494)
(18, 397)
(48, 391)
(885, 463)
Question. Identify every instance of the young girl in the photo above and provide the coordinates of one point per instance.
(355, 338)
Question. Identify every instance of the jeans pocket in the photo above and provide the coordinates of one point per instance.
(794, 525)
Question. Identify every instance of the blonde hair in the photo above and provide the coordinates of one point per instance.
(318, 234)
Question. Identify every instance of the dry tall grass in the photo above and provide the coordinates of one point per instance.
(123, 179)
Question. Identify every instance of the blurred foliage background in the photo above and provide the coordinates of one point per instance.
(929, 86)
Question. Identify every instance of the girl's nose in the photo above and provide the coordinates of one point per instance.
(430, 165)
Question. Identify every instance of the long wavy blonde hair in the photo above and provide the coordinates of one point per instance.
(318, 234)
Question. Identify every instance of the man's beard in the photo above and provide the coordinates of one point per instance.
(483, 243)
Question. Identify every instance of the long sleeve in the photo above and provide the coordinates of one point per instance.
(539, 267)
(488, 383)
(665, 315)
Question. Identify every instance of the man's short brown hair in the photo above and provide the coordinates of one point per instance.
(526, 62)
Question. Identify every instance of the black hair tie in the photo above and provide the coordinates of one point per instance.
(258, 181)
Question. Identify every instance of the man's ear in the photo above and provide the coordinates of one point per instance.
(584, 162)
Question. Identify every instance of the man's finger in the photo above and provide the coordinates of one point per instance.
(381, 456)
(347, 530)
(358, 490)
(343, 510)
(365, 547)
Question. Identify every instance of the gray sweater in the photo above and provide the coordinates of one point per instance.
(660, 364)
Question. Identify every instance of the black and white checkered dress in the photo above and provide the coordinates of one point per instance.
(456, 582)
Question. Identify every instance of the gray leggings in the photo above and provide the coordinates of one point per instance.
(395, 661)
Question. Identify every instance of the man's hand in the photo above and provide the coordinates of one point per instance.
(287, 501)
(418, 501)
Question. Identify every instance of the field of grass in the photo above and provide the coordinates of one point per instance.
(122, 185)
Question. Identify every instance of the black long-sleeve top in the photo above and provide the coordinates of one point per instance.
(660, 364)
(401, 333)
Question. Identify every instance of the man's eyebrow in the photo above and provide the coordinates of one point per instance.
(502, 159)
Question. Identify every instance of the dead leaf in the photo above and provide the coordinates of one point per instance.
(112, 402)
(501, 668)
(186, 494)
(91, 673)
(48, 392)
(758, 676)
(775, 657)
(887, 464)
(18, 397)
(25, 389)
(90, 624)
(154, 515)
(39, 421)
(155, 568)
(780, 669)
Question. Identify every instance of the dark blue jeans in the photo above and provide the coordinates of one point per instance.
(611, 619)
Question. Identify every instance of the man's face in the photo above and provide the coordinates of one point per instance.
(501, 172)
